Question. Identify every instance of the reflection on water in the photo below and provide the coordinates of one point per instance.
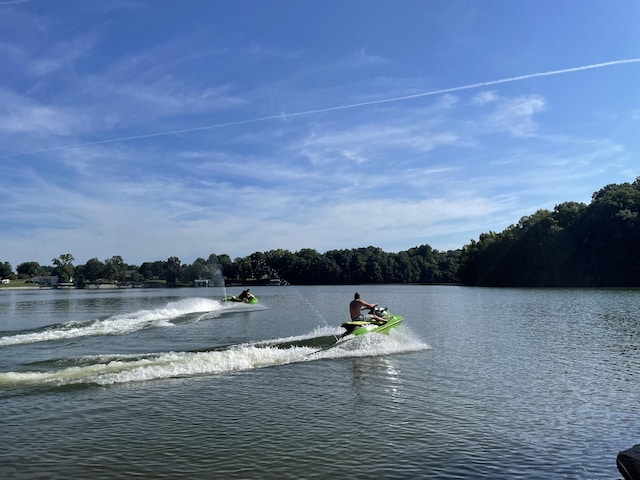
(375, 380)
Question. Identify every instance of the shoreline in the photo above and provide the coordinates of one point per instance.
(23, 287)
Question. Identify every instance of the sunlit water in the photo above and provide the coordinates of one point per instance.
(476, 383)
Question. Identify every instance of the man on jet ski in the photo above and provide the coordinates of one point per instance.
(246, 296)
(355, 309)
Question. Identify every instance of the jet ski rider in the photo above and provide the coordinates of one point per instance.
(246, 296)
(355, 309)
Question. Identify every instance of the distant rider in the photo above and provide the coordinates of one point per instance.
(355, 309)
(246, 296)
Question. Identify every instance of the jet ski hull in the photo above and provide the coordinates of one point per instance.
(358, 327)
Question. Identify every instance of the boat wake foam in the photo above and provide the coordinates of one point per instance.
(118, 369)
(186, 310)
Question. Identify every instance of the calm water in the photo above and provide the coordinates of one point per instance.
(172, 384)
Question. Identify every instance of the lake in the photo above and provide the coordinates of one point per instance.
(476, 383)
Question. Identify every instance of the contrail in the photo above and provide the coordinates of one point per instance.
(474, 85)
(341, 107)
(13, 2)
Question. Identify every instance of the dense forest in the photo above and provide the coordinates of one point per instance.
(575, 245)
(595, 245)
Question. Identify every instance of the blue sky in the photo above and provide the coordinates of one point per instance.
(149, 129)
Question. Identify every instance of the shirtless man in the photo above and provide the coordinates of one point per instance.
(357, 305)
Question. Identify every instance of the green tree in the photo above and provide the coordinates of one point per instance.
(244, 269)
(115, 269)
(281, 263)
(151, 270)
(29, 269)
(64, 267)
(94, 270)
(406, 270)
(6, 271)
(173, 271)
(224, 268)
(611, 234)
(198, 269)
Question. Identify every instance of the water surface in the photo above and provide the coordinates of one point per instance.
(476, 383)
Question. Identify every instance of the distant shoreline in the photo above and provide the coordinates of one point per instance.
(22, 287)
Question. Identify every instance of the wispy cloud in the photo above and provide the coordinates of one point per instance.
(516, 115)
(354, 105)
(19, 114)
(14, 2)
(362, 58)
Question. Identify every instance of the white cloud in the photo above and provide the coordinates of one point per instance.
(21, 115)
(516, 116)
(484, 97)
(364, 58)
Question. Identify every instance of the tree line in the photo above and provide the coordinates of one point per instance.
(304, 267)
(575, 245)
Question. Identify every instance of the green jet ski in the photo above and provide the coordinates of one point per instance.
(360, 327)
(244, 297)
